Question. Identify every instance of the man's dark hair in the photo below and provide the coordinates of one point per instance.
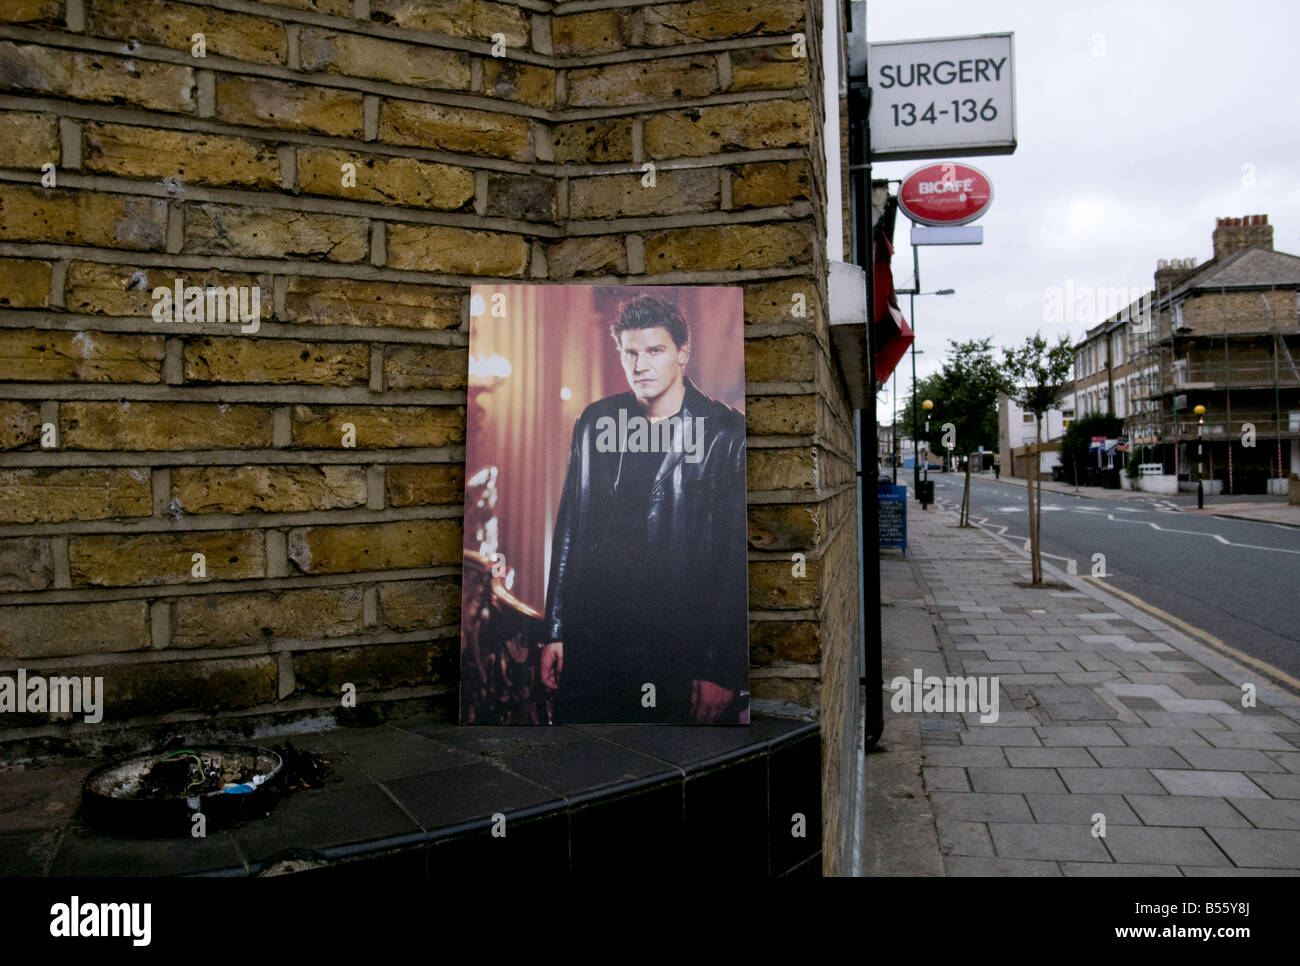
(648, 312)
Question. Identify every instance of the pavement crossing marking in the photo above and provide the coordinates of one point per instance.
(1205, 637)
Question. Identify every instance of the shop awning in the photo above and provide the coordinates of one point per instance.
(892, 336)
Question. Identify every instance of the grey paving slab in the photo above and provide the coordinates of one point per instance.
(1229, 759)
(1180, 846)
(1100, 674)
(1148, 756)
(1182, 719)
(991, 667)
(1170, 679)
(1277, 785)
(1073, 702)
(1281, 813)
(1119, 870)
(1170, 664)
(1006, 718)
(1037, 644)
(1261, 848)
(1226, 871)
(946, 779)
(1224, 693)
(1196, 706)
(964, 838)
(1080, 809)
(1263, 740)
(979, 807)
(964, 756)
(1028, 679)
(1049, 757)
(981, 735)
(1142, 647)
(1255, 720)
(1077, 736)
(1209, 784)
(1127, 689)
(961, 865)
(1290, 760)
(1169, 737)
(1047, 665)
(1186, 810)
(1049, 842)
(1015, 780)
(1115, 780)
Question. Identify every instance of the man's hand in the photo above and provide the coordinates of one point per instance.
(552, 664)
(708, 701)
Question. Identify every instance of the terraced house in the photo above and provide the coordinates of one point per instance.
(1219, 334)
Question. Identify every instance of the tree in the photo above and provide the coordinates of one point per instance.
(971, 381)
(927, 387)
(1075, 455)
(965, 393)
(1035, 375)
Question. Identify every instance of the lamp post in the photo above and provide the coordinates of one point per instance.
(893, 432)
(911, 309)
(1200, 466)
(927, 406)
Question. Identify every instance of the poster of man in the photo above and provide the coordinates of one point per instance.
(605, 525)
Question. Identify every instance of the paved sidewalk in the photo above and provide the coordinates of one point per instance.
(1280, 513)
(1103, 711)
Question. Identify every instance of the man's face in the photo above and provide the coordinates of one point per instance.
(653, 363)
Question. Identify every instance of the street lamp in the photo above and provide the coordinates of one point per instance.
(911, 308)
(927, 406)
(1200, 466)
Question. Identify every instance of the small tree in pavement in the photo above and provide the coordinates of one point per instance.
(1036, 374)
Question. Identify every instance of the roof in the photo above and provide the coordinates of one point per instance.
(1244, 268)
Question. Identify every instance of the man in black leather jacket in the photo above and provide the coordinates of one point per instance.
(646, 609)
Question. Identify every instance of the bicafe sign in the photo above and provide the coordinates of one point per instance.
(944, 194)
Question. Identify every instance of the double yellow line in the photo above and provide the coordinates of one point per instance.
(1263, 667)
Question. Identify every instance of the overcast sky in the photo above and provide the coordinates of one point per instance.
(1123, 158)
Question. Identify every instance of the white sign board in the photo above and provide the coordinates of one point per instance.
(950, 97)
(948, 235)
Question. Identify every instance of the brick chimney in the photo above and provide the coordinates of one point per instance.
(1170, 270)
(1234, 234)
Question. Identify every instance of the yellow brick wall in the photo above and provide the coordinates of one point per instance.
(127, 445)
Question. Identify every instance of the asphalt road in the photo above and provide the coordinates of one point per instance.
(1238, 580)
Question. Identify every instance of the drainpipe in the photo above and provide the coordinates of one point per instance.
(863, 250)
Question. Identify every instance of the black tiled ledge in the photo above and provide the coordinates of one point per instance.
(417, 797)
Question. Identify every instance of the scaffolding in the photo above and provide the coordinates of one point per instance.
(1244, 373)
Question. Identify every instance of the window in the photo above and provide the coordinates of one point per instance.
(1067, 413)
(1027, 418)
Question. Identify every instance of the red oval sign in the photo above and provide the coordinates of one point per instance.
(947, 193)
